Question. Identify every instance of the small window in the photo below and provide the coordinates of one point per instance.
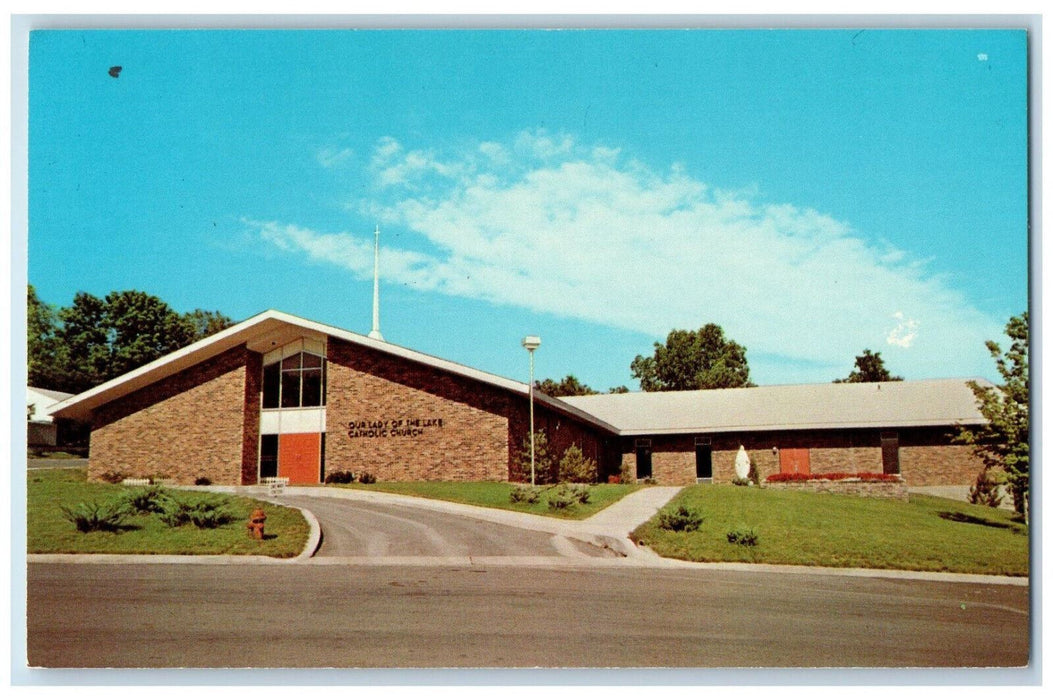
(290, 389)
(271, 386)
(312, 387)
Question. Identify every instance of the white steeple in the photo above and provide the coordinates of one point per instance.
(375, 333)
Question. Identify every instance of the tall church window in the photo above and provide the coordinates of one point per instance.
(297, 381)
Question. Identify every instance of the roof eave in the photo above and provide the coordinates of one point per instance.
(787, 427)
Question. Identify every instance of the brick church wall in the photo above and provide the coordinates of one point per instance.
(188, 425)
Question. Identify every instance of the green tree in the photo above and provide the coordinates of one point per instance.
(568, 386)
(141, 328)
(44, 350)
(544, 462)
(702, 359)
(85, 341)
(94, 340)
(1004, 441)
(576, 468)
(869, 368)
(205, 323)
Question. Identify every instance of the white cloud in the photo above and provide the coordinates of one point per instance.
(331, 157)
(549, 225)
(904, 333)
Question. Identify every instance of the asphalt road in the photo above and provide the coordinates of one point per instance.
(317, 615)
(358, 529)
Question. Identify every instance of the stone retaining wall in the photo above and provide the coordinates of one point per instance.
(896, 490)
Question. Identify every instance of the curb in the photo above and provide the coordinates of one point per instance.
(314, 535)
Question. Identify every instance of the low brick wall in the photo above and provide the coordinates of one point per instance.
(896, 490)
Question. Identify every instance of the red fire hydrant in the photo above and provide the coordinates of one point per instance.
(255, 526)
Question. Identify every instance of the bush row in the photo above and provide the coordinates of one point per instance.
(173, 512)
(559, 498)
(344, 476)
(116, 477)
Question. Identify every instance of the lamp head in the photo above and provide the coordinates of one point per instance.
(531, 342)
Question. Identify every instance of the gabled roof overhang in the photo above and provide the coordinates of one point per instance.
(268, 330)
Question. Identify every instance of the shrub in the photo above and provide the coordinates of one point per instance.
(754, 475)
(202, 481)
(92, 517)
(561, 498)
(524, 494)
(986, 491)
(544, 463)
(614, 479)
(682, 519)
(149, 500)
(745, 537)
(340, 477)
(581, 493)
(206, 515)
(176, 514)
(574, 467)
(367, 478)
(741, 482)
(112, 477)
(626, 474)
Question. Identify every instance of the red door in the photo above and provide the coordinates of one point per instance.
(794, 460)
(299, 457)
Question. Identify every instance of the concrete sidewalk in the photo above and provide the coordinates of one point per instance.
(621, 518)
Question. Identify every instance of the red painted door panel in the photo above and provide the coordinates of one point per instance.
(299, 456)
(794, 460)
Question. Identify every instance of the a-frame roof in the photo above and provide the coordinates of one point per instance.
(271, 329)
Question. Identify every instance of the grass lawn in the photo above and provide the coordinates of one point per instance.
(495, 494)
(925, 534)
(50, 533)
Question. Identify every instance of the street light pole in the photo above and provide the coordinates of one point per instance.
(532, 343)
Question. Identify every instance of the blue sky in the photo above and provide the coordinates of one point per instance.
(815, 193)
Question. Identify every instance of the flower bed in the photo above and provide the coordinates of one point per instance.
(869, 485)
(836, 476)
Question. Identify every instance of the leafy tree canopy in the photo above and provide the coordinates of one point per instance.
(1004, 442)
(568, 386)
(702, 359)
(93, 340)
(44, 348)
(869, 368)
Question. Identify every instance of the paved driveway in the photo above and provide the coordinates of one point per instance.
(352, 528)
